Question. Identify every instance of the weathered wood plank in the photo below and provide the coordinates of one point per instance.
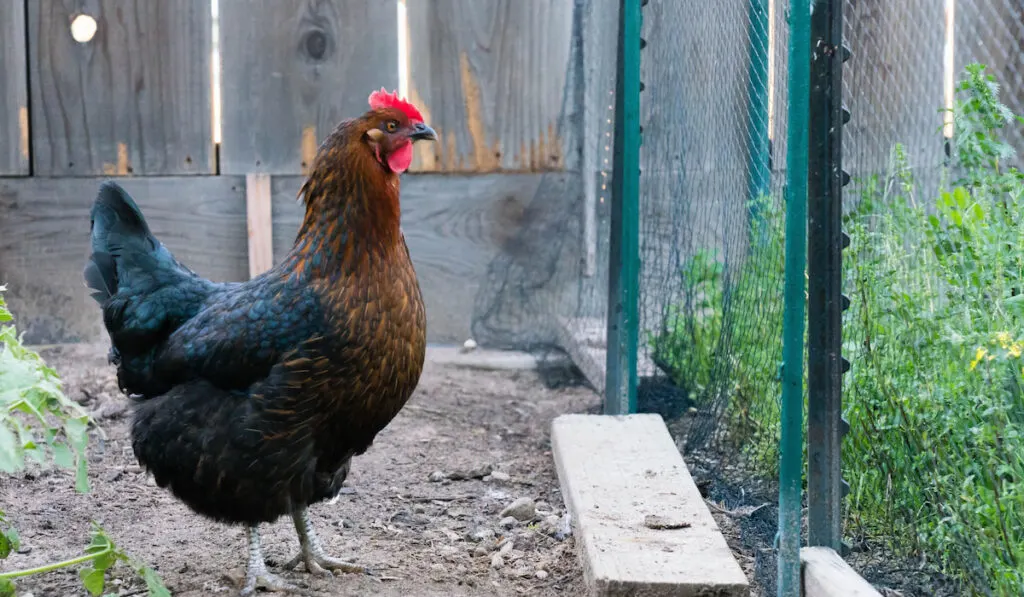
(260, 223)
(992, 33)
(292, 70)
(44, 242)
(14, 133)
(135, 99)
(825, 574)
(490, 77)
(893, 99)
(642, 527)
(454, 225)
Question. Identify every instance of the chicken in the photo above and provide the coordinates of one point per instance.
(250, 399)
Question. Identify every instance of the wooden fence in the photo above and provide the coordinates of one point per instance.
(134, 103)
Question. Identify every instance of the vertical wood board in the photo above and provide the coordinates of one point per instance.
(292, 70)
(490, 77)
(133, 100)
(14, 132)
(894, 87)
(260, 223)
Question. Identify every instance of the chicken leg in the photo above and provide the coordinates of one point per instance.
(311, 552)
(257, 574)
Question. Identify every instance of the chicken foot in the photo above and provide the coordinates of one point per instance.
(257, 574)
(311, 552)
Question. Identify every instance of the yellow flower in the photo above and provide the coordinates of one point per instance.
(980, 354)
(1004, 339)
(1015, 350)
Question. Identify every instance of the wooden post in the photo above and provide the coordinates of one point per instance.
(260, 223)
(14, 134)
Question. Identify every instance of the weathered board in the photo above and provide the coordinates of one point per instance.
(14, 139)
(490, 77)
(454, 226)
(894, 88)
(44, 242)
(825, 574)
(133, 100)
(292, 70)
(641, 525)
(992, 33)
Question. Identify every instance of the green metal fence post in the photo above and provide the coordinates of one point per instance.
(624, 242)
(757, 107)
(791, 444)
(825, 364)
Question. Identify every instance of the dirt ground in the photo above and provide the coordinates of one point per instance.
(422, 507)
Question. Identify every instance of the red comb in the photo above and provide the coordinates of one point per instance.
(382, 99)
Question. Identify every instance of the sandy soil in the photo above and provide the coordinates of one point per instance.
(423, 532)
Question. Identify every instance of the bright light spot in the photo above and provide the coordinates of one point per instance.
(403, 50)
(83, 28)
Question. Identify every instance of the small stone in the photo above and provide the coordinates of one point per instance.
(481, 550)
(499, 477)
(419, 509)
(437, 477)
(509, 522)
(542, 505)
(523, 509)
(469, 345)
(506, 548)
(497, 561)
(481, 534)
(541, 574)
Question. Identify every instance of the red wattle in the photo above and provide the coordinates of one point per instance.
(400, 159)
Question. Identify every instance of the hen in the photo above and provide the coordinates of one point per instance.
(250, 399)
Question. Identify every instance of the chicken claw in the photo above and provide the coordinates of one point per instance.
(311, 552)
(257, 574)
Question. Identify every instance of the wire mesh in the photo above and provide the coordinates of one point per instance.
(933, 454)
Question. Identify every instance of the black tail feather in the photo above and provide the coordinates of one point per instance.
(117, 227)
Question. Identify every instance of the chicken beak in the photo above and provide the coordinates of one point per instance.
(422, 132)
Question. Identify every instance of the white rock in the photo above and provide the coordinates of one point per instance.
(523, 509)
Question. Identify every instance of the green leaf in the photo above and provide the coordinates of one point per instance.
(6, 587)
(62, 455)
(154, 583)
(11, 459)
(92, 579)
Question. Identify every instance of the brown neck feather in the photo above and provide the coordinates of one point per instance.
(352, 212)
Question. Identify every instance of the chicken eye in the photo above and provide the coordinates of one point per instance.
(391, 126)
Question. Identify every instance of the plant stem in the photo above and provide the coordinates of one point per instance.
(54, 566)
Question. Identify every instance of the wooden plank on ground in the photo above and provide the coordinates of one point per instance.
(260, 223)
(825, 574)
(44, 242)
(292, 70)
(490, 76)
(455, 226)
(133, 100)
(14, 133)
(642, 527)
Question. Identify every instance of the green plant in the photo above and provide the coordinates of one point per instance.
(723, 344)
(39, 423)
(934, 396)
